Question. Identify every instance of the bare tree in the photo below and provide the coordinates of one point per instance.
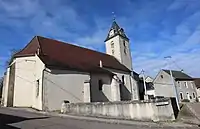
(12, 53)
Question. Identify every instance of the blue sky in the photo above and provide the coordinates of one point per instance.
(156, 28)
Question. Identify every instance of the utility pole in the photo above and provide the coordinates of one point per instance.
(172, 80)
(145, 88)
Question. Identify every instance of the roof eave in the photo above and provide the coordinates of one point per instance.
(108, 38)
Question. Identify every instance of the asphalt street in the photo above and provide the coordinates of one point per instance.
(20, 119)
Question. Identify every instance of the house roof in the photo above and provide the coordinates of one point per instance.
(117, 31)
(197, 82)
(60, 55)
(179, 75)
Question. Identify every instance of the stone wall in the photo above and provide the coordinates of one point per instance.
(133, 110)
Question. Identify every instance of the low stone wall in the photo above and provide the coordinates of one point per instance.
(133, 110)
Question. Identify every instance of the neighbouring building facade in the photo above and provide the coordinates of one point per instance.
(197, 84)
(47, 72)
(185, 88)
(150, 92)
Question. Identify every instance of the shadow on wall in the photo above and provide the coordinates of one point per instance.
(124, 93)
(103, 97)
(9, 119)
(175, 107)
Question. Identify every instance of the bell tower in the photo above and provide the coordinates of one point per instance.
(117, 45)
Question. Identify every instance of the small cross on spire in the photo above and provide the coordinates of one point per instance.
(114, 16)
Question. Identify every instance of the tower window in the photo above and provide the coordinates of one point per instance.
(124, 42)
(125, 51)
(113, 52)
(112, 44)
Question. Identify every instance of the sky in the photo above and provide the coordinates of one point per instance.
(156, 28)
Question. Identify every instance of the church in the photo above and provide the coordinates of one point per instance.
(47, 72)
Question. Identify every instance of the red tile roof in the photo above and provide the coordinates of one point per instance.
(60, 55)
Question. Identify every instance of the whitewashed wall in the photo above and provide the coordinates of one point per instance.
(130, 85)
(39, 68)
(96, 94)
(27, 71)
(198, 94)
(60, 85)
(147, 111)
(24, 81)
(5, 88)
(119, 50)
(163, 86)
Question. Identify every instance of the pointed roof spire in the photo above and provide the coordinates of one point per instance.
(117, 30)
(114, 16)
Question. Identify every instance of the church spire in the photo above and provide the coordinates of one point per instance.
(115, 30)
(114, 16)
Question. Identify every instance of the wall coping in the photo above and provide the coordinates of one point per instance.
(161, 100)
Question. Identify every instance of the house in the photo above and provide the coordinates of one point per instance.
(149, 88)
(47, 72)
(197, 84)
(183, 87)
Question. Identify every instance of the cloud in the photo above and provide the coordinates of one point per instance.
(155, 28)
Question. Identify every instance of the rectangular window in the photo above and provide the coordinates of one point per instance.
(193, 85)
(125, 51)
(178, 84)
(124, 42)
(113, 52)
(112, 44)
(194, 96)
(100, 85)
(185, 84)
(181, 95)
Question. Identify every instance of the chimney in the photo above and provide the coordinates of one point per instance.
(100, 64)
(38, 51)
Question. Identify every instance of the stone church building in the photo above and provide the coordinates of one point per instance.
(47, 72)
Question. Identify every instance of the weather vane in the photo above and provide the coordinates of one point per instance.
(114, 16)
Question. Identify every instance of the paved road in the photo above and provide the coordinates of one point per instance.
(19, 119)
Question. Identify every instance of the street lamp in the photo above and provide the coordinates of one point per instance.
(176, 94)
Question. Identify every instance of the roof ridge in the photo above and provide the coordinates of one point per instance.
(35, 37)
(63, 42)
